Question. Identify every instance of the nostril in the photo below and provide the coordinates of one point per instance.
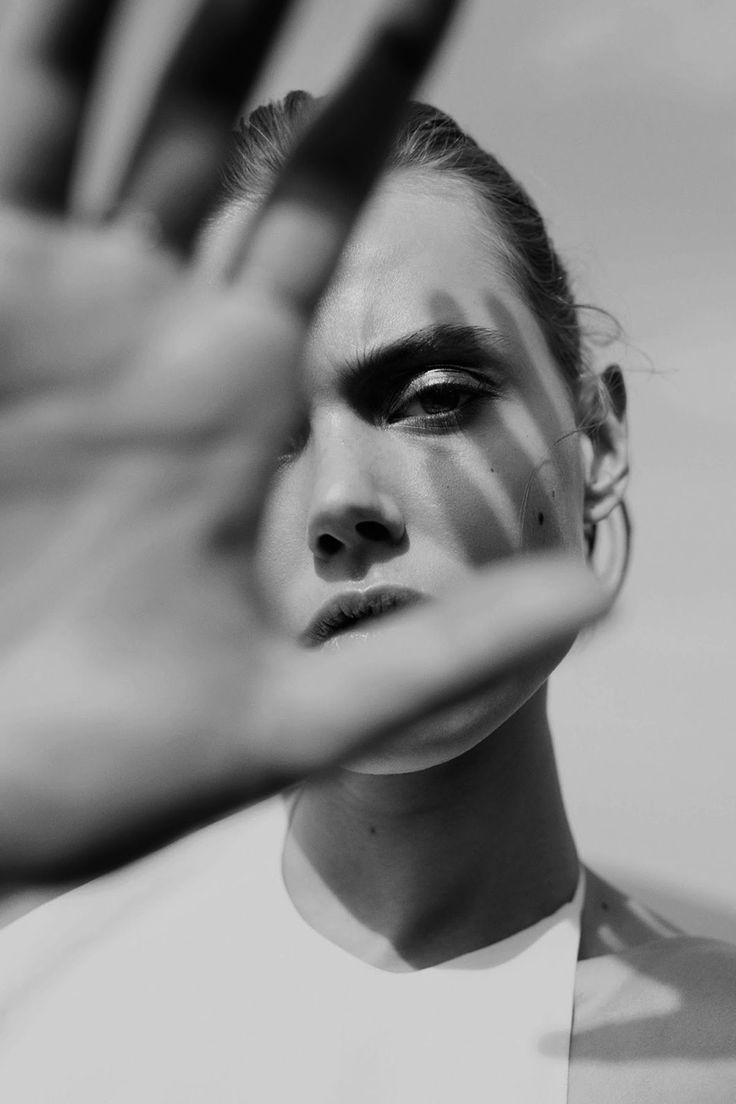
(351, 537)
(372, 531)
(328, 545)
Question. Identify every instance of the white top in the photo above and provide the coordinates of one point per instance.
(190, 977)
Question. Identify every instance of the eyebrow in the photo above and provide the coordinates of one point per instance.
(366, 379)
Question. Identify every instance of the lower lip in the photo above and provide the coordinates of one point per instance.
(361, 631)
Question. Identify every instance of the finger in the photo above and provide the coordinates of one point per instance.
(317, 197)
(513, 617)
(295, 242)
(47, 55)
(137, 50)
(167, 93)
(117, 798)
(251, 339)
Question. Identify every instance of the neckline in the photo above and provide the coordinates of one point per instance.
(487, 957)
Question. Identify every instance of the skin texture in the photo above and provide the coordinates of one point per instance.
(440, 501)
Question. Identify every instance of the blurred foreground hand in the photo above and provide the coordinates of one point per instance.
(142, 689)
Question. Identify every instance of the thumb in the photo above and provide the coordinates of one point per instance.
(525, 612)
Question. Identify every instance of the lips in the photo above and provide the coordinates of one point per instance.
(353, 608)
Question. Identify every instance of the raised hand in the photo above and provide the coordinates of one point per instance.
(142, 688)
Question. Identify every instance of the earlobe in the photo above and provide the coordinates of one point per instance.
(604, 444)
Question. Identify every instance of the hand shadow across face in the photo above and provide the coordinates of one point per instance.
(518, 475)
(670, 997)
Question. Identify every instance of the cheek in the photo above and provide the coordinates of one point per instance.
(473, 505)
(549, 479)
(473, 496)
(551, 519)
(552, 515)
(507, 490)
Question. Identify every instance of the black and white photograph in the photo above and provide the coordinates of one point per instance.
(367, 544)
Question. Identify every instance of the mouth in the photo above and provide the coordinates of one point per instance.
(352, 610)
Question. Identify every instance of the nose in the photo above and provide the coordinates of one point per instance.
(351, 509)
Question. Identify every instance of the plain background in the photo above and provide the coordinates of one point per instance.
(620, 119)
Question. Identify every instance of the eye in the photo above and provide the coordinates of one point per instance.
(440, 397)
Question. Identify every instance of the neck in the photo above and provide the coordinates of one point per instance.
(413, 869)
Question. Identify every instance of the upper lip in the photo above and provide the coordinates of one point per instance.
(345, 609)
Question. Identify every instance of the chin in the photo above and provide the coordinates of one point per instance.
(451, 733)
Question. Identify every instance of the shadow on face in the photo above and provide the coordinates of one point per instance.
(438, 435)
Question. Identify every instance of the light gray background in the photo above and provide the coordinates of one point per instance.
(621, 121)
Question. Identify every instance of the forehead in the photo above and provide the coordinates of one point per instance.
(424, 253)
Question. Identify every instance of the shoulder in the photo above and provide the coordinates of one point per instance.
(656, 1023)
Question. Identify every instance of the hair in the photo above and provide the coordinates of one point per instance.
(430, 140)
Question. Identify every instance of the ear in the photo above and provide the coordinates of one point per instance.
(604, 444)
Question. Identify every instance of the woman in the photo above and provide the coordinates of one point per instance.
(450, 420)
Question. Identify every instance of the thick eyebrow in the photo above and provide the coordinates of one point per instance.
(367, 378)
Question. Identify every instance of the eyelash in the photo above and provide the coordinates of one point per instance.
(471, 389)
(467, 388)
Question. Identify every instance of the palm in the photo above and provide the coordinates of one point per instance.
(128, 620)
(141, 684)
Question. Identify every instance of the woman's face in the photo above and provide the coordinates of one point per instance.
(440, 437)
